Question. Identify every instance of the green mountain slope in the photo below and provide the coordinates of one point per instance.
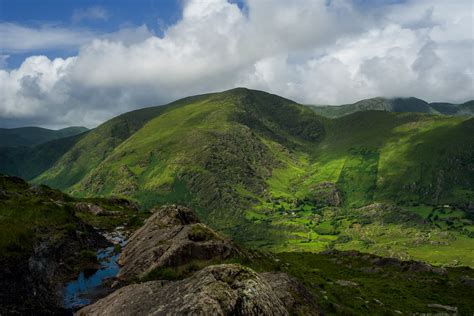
(400, 105)
(272, 173)
(94, 147)
(29, 162)
(205, 149)
(32, 136)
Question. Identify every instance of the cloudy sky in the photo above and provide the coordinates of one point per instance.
(81, 62)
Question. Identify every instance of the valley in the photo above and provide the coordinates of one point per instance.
(256, 182)
(272, 174)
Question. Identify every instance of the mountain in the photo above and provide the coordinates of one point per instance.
(272, 173)
(29, 162)
(400, 105)
(32, 136)
(208, 150)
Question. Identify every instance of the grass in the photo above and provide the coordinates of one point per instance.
(254, 166)
(30, 215)
(379, 289)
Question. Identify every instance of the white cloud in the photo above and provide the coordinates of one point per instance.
(305, 50)
(91, 13)
(16, 38)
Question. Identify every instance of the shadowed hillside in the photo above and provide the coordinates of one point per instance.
(32, 136)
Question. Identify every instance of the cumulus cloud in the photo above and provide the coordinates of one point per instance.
(16, 38)
(319, 52)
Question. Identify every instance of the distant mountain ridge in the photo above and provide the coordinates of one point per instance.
(31, 136)
(272, 173)
(399, 105)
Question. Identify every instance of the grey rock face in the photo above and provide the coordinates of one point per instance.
(171, 237)
(294, 296)
(327, 194)
(226, 289)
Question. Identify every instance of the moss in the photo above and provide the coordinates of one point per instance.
(199, 232)
(88, 255)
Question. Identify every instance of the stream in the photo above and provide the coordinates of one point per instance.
(88, 287)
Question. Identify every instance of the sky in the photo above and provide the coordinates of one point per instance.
(65, 63)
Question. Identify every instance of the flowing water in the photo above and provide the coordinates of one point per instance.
(86, 288)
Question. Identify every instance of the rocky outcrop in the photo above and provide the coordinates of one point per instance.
(171, 237)
(294, 296)
(32, 285)
(89, 208)
(225, 289)
(94, 209)
(326, 194)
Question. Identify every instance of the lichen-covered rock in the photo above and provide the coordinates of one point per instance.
(171, 237)
(294, 296)
(225, 289)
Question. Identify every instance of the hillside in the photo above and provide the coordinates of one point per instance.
(399, 105)
(47, 238)
(272, 173)
(52, 250)
(29, 162)
(32, 136)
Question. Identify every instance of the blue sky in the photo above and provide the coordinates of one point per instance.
(82, 62)
(155, 14)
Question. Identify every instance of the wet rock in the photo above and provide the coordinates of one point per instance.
(171, 237)
(32, 285)
(225, 289)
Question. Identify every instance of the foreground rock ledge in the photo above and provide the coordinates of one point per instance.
(226, 289)
(171, 237)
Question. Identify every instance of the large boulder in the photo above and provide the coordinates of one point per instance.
(171, 237)
(225, 289)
